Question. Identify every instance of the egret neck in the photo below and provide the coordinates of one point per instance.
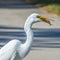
(28, 43)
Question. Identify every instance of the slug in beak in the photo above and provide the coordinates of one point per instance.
(45, 19)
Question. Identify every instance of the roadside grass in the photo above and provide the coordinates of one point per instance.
(53, 8)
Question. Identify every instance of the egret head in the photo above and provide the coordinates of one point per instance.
(38, 18)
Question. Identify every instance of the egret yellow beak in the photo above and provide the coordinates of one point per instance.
(45, 19)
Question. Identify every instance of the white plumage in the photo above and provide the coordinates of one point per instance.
(15, 50)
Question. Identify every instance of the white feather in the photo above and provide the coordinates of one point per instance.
(15, 50)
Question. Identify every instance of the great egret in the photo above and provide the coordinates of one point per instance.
(15, 47)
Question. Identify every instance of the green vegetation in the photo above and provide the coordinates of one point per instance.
(53, 8)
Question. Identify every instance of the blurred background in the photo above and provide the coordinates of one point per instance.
(13, 14)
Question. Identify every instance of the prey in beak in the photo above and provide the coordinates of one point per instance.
(45, 19)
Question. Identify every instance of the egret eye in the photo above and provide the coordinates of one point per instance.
(38, 16)
(41, 17)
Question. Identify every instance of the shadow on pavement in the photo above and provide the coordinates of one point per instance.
(43, 38)
(18, 6)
